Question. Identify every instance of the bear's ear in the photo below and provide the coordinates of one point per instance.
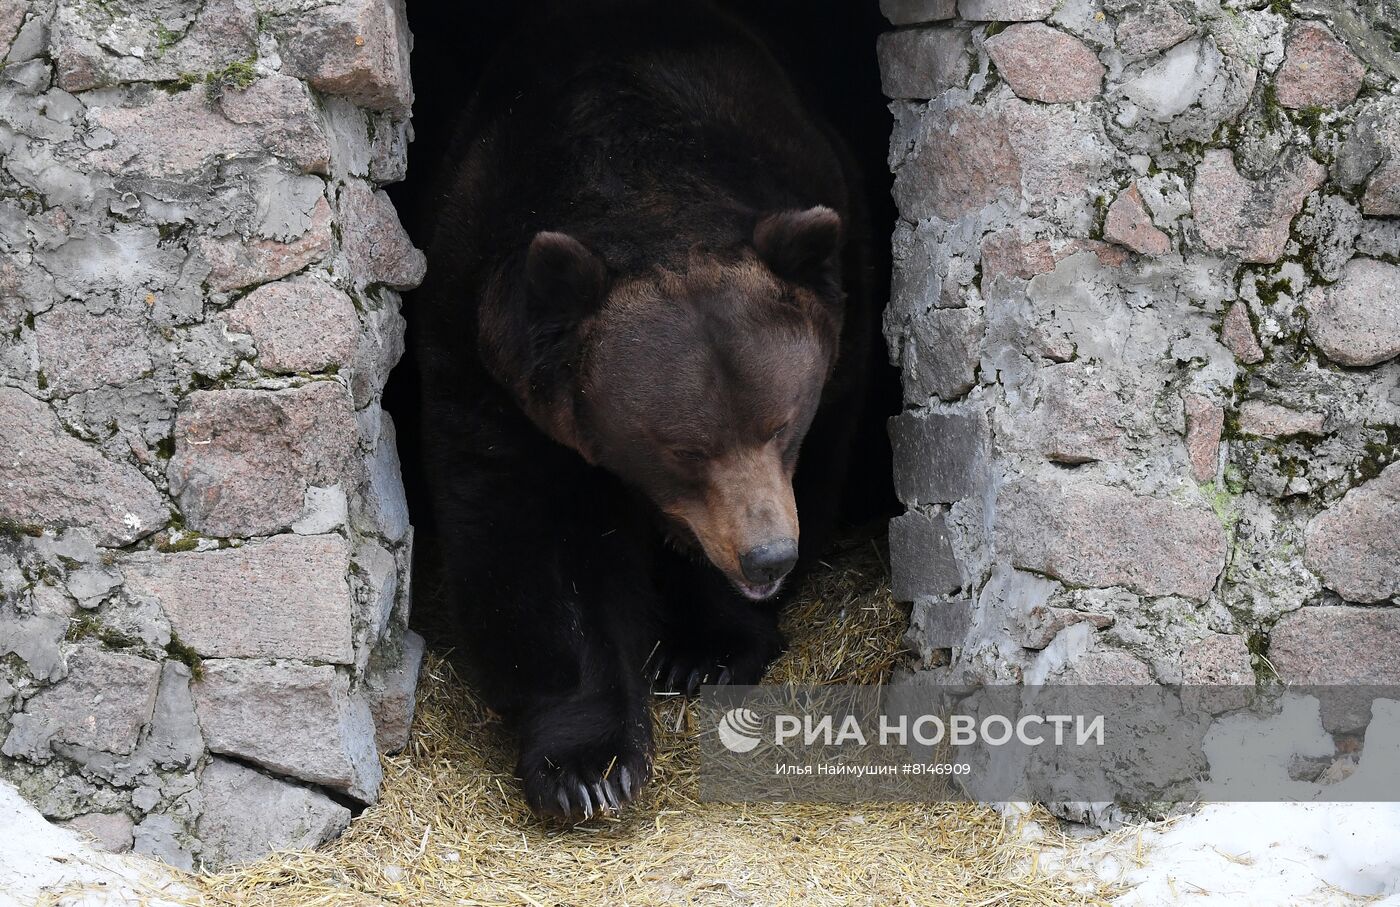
(564, 284)
(563, 278)
(801, 246)
(531, 336)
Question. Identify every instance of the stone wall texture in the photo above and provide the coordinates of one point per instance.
(1146, 306)
(204, 546)
(1147, 309)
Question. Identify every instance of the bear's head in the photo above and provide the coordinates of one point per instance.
(695, 386)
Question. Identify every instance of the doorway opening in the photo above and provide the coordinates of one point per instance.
(829, 45)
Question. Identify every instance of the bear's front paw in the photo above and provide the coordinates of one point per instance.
(682, 669)
(579, 769)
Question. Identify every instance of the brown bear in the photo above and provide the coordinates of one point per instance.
(640, 349)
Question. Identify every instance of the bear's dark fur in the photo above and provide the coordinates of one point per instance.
(646, 289)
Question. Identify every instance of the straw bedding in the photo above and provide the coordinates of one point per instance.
(451, 828)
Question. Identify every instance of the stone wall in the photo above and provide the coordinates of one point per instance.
(204, 544)
(1147, 310)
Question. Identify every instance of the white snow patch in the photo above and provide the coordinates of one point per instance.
(1272, 853)
(1264, 854)
(40, 860)
(1260, 854)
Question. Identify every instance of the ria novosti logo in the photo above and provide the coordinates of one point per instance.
(740, 730)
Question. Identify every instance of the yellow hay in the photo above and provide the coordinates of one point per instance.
(451, 828)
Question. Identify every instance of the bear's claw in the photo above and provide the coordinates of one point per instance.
(678, 673)
(579, 800)
(581, 785)
(693, 679)
(721, 649)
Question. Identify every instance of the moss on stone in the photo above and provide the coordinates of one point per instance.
(1292, 466)
(238, 74)
(89, 626)
(1231, 430)
(182, 82)
(1226, 135)
(1269, 292)
(1193, 149)
(1379, 453)
(16, 530)
(1311, 119)
(115, 639)
(1258, 645)
(1222, 502)
(1101, 206)
(81, 627)
(1274, 114)
(187, 543)
(166, 38)
(181, 652)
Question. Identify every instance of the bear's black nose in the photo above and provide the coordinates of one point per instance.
(769, 562)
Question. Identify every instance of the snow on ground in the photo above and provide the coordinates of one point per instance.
(1308, 852)
(1257, 854)
(40, 859)
(1273, 853)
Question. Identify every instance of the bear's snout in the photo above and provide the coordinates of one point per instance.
(745, 521)
(769, 562)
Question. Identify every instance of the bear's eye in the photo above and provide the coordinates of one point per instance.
(689, 454)
(779, 432)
